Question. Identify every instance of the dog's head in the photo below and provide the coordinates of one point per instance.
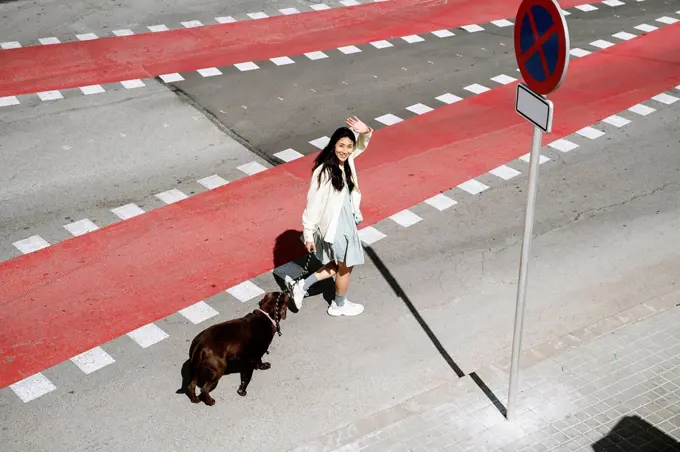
(268, 304)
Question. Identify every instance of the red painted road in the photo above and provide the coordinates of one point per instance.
(72, 65)
(82, 292)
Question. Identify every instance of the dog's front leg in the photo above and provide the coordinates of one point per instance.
(246, 375)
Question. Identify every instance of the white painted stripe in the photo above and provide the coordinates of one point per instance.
(87, 37)
(563, 145)
(616, 121)
(171, 78)
(282, 61)
(318, 55)
(601, 43)
(382, 44)
(665, 98)
(642, 110)
(148, 335)
(503, 79)
(245, 291)
(527, 158)
(441, 202)
(472, 28)
(646, 28)
(349, 49)
(92, 89)
(289, 11)
(613, 3)
(579, 52)
(171, 196)
(473, 186)
(505, 172)
(8, 101)
(247, 66)
(209, 72)
(476, 88)
(157, 28)
(389, 119)
(127, 211)
(590, 132)
(50, 95)
(350, 2)
(586, 8)
(212, 182)
(92, 360)
(419, 109)
(192, 24)
(320, 7)
(443, 33)
(405, 218)
(80, 227)
(288, 155)
(252, 168)
(123, 32)
(49, 41)
(132, 84)
(258, 15)
(624, 35)
(199, 312)
(369, 235)
(31, 244)
(565, 12)
(448, 98)
(10, 45)
(32, 387)
(320, 143)
(502, 23)
(225, 20)
(667, 20)
(411, 39)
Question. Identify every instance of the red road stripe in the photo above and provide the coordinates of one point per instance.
(108, 60)
(82, 292)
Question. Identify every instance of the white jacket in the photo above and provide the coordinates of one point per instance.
(324, 202)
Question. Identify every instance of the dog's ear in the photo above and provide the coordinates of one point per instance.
(265, 300)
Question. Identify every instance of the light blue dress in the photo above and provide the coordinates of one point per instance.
(346, 246)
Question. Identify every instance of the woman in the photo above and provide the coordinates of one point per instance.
(331, 216)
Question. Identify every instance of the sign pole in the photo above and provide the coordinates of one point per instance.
(523, 270)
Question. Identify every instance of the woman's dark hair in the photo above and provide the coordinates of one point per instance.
(331, 163)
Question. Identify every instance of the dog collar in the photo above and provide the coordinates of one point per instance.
(268, 316)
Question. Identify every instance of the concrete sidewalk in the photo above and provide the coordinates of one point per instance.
(614, 386)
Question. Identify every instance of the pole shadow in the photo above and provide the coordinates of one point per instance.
(387, 275)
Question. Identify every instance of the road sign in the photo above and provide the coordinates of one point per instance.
(541, 44)
(537, 109)
(542, 52)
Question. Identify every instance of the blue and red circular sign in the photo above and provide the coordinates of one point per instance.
(541, 44)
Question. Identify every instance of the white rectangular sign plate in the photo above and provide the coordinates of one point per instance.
(535, 108)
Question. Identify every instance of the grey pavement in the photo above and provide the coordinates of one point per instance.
(440, 301)
(27, 22)
(281, 107)
(617, 392)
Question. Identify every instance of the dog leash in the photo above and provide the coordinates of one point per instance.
(289, 291)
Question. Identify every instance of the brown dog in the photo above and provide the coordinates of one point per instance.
(237, 344)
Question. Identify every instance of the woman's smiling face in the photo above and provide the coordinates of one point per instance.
(343, 149)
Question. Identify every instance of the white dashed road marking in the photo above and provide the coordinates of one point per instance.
(171, 196)
(389, 119)
(563, 145)
(81, 227)
(199, 312)
(92, 360)
(212, 182)
(411, 39)
(245, 291)
(473, 186)
(369, 235)
(171, 78)
(443, 33)
(251, 168)
(31, 244)
(405, 218)
(476, 88)
(665, 99)
(92, 89)
(32, 387)
(148, 335)
(209, 72)
(132, 84)
(419, 109)
(127, 211)
(641, 109)
(448, 98)
(288, 155)
(616, 121)
(441, 202)
(590, 132)
(505, 172)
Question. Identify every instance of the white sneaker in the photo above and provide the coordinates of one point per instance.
(348, 309)
(297, 290)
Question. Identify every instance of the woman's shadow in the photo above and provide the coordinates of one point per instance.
(290, 256)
